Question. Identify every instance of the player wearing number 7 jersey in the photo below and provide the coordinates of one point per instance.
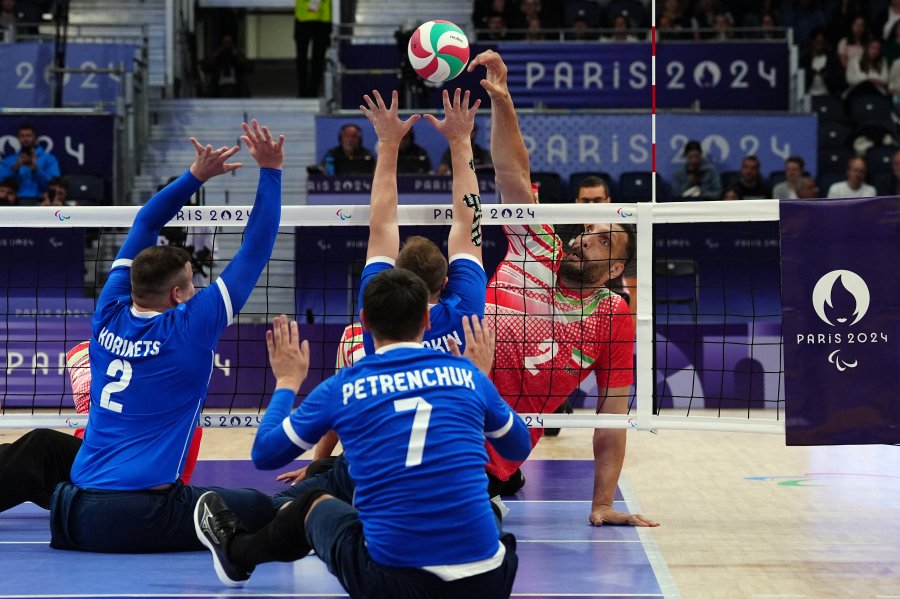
(410, 418)
(151, 355)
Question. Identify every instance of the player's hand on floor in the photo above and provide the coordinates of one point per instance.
(265, 149)
(293, 477)
(388, 126)
(288, 357)
(480, 343)
(609, 516)
(494, 82)
(210, 162)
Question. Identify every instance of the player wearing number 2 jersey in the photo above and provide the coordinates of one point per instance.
(151, 355)
(410, 419)
(555, 320)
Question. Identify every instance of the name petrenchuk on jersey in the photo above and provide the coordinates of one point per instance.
(411, 380)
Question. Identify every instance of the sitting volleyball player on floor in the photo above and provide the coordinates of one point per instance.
(405, 535)
(151, 353)
(555, 320)
(455, 291)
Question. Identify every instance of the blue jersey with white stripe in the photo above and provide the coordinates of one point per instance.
(463, 295)
(413, 422)
(150, 371)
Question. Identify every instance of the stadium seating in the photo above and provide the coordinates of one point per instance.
(828, 108)
(635, 186)
(834, 134)
(833, 160)
(878, 160)
(871, 109)
(550, 187)
(86, 188)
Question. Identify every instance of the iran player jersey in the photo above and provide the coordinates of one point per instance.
(463, 296)
(550, 338)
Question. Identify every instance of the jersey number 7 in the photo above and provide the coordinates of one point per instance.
(419, 427)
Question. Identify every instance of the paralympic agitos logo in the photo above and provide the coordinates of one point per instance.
(841, 299)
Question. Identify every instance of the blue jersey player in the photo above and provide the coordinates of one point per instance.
(407, 415)
(151, 354)
(457, 289)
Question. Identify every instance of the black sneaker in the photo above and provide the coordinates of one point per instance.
(215, 525)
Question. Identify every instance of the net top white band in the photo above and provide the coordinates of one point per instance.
(437, 214)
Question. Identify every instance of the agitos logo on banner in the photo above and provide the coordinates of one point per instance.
(841, 299)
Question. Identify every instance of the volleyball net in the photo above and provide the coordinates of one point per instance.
(706, 305)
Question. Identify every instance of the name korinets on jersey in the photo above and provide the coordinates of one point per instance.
(125, 348)
(409, 380)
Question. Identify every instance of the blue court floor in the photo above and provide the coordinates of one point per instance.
(560, 555)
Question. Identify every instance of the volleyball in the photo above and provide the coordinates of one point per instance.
(438, 51)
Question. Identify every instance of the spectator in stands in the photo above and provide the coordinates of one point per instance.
(483, 10)
(697, 178)
(17, 21)
(411, 157)
(750, 185)
(528, 11)
(888, 184)
(227, 67)
(807, 188)
(8, 189)
(496, 28)
(854, 43)
(889, 18)
(481, 157)
(841, 18)
(32, 167)
(868, 73)
(724, 25)
(579, 31)
(704, 18)
(57, 193)
(730, 194)
(822, 69)
(621, 26)
(891, 46)
(349, 156)
(312, 29)
(534, 31)
(793, 172)
(855, 186)
(803, 16)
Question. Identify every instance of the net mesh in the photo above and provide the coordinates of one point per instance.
(710, 321)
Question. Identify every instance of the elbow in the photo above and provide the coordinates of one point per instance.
(263, 460)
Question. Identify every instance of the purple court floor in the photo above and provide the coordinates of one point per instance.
(560, 555)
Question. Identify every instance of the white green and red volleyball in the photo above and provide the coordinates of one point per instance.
(438, 51)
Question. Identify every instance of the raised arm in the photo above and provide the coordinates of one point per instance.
(384, 232)
(248, 263)
(459, 118)
(163, 206)
(507, 146)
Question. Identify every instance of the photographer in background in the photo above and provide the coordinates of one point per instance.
(32, 167)
(57, 193)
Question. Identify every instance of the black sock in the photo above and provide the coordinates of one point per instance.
(281, 540)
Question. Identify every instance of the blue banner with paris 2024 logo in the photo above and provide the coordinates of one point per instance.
(841, 322)
(715, 75)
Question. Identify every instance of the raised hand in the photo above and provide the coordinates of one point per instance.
(388, 126)
(267, 151)
(495, 80)
(288, 357)
(459, 117)
(480, 343)
(210, 162)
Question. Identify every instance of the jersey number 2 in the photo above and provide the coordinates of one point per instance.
(419, 427)
(115, 367)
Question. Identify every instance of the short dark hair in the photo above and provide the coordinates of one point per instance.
(26, 127)
(394, 304)
(423, 258)
(155, 271)
(593, 181)
(630, 244)
(59, 182)
(692, 145)
(796, 160)
(10, 183)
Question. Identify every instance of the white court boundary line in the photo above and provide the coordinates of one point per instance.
(654, 556)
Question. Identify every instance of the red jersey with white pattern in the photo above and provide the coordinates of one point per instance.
(549, 337)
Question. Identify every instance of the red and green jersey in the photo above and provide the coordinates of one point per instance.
(549, 337)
